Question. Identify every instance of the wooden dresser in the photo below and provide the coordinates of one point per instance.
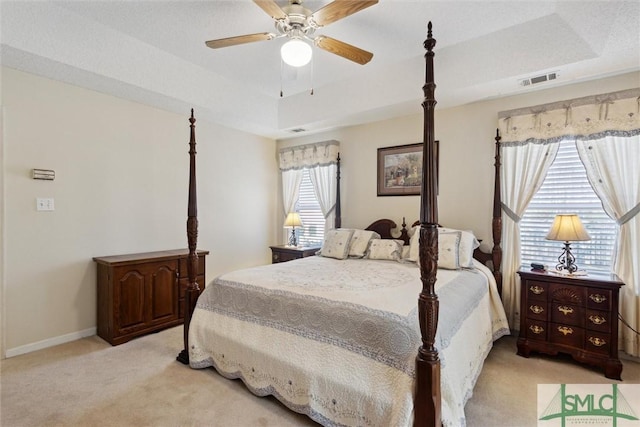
(283, 253)
(142, 293)
(576, 315)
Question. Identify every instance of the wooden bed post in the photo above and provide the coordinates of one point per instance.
(427, 400)
(496, 252)
(193, 290)
(338, 220)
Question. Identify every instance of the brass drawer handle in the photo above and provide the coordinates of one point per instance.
(536, 329)
(565, 330)
(598, 320)
(536, 309)
(598, 298)
(565, 310)
(536, 289)
(598, 342)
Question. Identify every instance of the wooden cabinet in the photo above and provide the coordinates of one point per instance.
(142, 293)
(287, 253)
(577, 315)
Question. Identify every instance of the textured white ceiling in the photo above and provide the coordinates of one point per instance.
(153, 52)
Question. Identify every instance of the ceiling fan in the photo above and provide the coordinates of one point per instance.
(298, 24)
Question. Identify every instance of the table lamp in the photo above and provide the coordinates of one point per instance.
(567, 228)
(293, 220)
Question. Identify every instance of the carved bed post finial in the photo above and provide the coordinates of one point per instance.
(193, 290)
(427, 400)
(496, 252)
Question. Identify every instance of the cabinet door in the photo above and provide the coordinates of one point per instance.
(129, 299)
(162, 291)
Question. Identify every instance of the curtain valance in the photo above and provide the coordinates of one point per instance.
(616, 113)
(309, 155)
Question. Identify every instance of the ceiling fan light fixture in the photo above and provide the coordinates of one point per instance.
(296, 52)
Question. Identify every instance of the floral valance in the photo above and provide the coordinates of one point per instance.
(587, 117)
(309, 155)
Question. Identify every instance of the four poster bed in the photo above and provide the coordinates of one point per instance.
(335, 336)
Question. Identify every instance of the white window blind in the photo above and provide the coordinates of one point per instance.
(312, 232)
(566, 189)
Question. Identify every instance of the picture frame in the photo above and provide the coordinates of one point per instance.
(400, 169)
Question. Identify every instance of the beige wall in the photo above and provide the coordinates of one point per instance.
(121, 187)
(467, 147)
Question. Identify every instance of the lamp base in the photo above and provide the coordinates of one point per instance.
(292, 238)
(566, 261)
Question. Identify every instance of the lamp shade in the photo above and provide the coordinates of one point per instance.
(293, 220)
(567, 228)
(296, 53)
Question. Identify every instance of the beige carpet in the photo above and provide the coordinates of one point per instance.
(90, 383)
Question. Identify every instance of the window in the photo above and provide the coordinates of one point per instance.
(566, 189)
(312, 232)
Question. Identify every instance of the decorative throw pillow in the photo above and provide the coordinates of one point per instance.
(468, 243)
(336, 243)
(387, 249)
(414, 244)
(360, 242)
(449, 250)
(448, 241)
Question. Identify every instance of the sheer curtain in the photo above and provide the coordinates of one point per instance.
(321, 160)
(606, 128)
(324, 180)
(525, 165)
(612, 161)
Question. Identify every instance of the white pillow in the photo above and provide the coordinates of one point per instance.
(468, 243)
(360, 242)
(457, 256)
(336, 243)
(388, 249)
(449, 250)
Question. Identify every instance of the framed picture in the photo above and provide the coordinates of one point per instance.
(400, 170)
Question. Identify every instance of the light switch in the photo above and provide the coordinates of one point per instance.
(44, 204)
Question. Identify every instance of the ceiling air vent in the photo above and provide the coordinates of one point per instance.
(539, 79)
(298, 130)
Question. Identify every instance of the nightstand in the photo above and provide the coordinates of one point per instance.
(577, 315)
(283, 253)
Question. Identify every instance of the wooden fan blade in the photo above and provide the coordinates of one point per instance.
(339, 9)
(272, 8)
(232, 41)
(343, 49)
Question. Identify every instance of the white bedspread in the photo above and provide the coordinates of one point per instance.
(337, 339)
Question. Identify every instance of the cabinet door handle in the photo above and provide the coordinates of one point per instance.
(597, 298)
(565, 330)
(565, 310)
(536, 289)
(597, 320)
(536, 329)
(536, 309)
(598, 342)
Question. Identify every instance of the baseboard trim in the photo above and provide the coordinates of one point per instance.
(50, 342)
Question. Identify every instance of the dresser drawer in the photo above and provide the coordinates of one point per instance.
(536, 330)
(597, 342)
(599, 299)
(567, 294)
(569, 335)
(567, 314)
(537, 290)
(537, 310)
(598, 321)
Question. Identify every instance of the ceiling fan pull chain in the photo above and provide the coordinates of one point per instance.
(311, 75)
(281, 71)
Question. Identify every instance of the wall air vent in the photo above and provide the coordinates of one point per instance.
(298, 130)
(539, 79)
